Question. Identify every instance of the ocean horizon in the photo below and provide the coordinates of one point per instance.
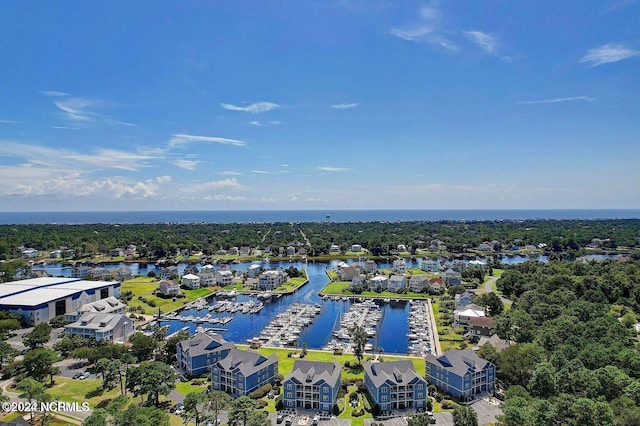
(272, 216)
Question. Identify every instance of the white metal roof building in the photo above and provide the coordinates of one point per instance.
(41, 299)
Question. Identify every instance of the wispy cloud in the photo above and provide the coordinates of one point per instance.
(261, 172)
(231, 183)
(181, 138)
(333, 169)
(344, 106)
(411, 34)
(8, 121)
(225, 197)
(230, 173)
(252, 108)
(65, 127)
(264, 123)
(608, 53)
(427, 28)
(485, 41)
(113, 159)
(558, 100)
(79, 109)
(53, 93)
(186, 164)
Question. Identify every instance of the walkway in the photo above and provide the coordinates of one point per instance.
(437, 350)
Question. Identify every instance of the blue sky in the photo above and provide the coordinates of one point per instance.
(191, 105)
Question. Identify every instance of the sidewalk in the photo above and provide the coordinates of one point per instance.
(437, 350)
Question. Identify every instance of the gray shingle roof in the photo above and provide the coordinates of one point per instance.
(246, 362)
(203, 343)
(314, 372)
(458, 361)
(396, 372)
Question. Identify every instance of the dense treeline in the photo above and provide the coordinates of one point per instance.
(160, 240)
(576, 358)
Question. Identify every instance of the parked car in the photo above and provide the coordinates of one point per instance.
(77, 375)
(280, 418)
(316, 420)
(432, 418)
(288, 421)
(84, 375)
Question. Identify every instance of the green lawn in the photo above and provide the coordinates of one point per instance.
(70, 390)
(186, 387)
(291, 285)
(341, 288)
(144, 286)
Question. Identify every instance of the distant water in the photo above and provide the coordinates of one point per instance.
(267, 216)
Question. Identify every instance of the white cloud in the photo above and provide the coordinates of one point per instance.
(558, 100)
(8, 121)
(344, 106)
(163, 179)
(261, 172)
(53, 93)
(412, 34)
(608, 53)
(179, 139)
(211, 185)
(224, 197)
(186, 164)
(252, 108)
(486, 42)
(256, 123)
(79, 109)
(230, 173)
(333, 169)
(264, 123)
(112, 159)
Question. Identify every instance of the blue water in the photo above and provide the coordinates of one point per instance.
(263, 216)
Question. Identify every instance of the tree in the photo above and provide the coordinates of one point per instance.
(152, 379)
(418, 421)
(31, 391)
(40, 335)
(492, 301)
(257, 418)
(171, 344)
(192, 403)
(7, 353)
(110, 371)
(142, 346)
(463, 415)
(39, 363)
(543, 381)
(240, 410)
(359, 339)
(215, 402)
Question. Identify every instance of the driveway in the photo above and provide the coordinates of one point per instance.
(487, 409)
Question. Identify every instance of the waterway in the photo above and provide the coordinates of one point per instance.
(391, 336)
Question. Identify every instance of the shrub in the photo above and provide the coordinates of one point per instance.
(438, 397)
(357, 413)
(279, 403)
(429, 404)
(261, 392)
(336, 410)
(447, 404)
(261, 403)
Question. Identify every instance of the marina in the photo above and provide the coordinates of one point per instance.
(285, 328)
(366, 314)
(420, 335)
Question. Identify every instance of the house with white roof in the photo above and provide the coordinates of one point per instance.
(115, 328)
(224, 278)
(397, 282)
(462, 317)
(191, 281)
(378, 283)
(399, 266)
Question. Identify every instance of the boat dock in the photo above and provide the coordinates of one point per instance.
(285, 328)
(420, 333)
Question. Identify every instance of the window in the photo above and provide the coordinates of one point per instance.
(325, 398)
(384, 397)
(289, 395)
(419, 386)
(325, 389)
(383, 389)
(289, 386)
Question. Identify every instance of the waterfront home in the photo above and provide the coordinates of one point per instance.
(397, 282)
(452, 277)
(55, 254)
(370, 267)
(436, 285)
(460, 373)
(458, 265)
(271, 279)
(245, 251)
(495, 341)
(29, 253)
(99, 273)
(207, 278)
(378, 283)
(80, 271)
(291, 251)
(121, 274)
(399, 266)
(464, 299)
(197, 355)
(253, 270)
(430, 265)
(401, 247)
(242, 372)
(114, 328)
(233, 251)
(462, 317)
(224, 278)
(130, 250)
(334, 249)
(191, 281)
(358, 282)
(477, 264)
(169, 288)
(480, 326)
(488, 247)
(395, 385)
(417, 283)
(167, 272)
(356, 248)
(346, 272)
(116, 252)
(109, 305)
(312, 385)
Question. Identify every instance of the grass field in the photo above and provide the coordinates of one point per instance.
(70, 390)
(291, 285)
(341, 288)
(186, 387)
(144, 286)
